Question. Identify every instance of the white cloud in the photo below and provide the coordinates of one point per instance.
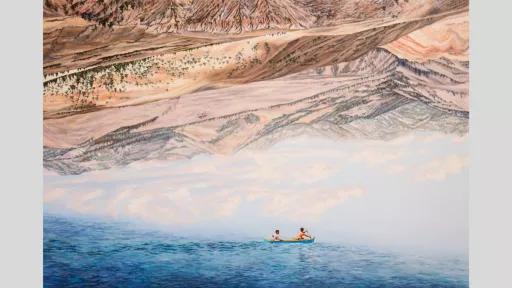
(306, 204)
(375, 156)
(440, 169)
(460, 139)
(311, 174)
(53, 195)
(396, 169)
(159, 205)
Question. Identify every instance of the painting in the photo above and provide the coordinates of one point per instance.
(255, 143)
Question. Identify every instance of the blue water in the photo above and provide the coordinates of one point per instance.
(80, 253)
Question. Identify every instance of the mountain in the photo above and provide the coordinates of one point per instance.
(130, 81)
(279, 14)
(156, 15)
(81, 34)
(187, 15)
(237, 16)
(232, 61)
(246, 15)
(377, 96)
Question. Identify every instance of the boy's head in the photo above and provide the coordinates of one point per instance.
(277, 231)
(301, 229)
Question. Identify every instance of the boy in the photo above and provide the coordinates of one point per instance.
(276, 236)
(302, 234)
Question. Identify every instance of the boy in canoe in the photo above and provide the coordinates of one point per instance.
(302, 235)
(276, 236)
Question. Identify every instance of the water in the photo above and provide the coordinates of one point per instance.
(84, 253)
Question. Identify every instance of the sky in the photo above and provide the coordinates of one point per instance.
(407, 193)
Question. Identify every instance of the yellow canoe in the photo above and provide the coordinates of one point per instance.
(305, 241)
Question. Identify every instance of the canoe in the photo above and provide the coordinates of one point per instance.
(306, 241)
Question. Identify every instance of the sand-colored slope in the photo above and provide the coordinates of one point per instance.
(89, 33)
(72, 43)
(377, 96)
(337, 93)
(263, 57)
(447, 38)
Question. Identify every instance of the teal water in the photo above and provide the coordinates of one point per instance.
(83, 253)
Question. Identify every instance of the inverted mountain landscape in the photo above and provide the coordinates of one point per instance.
(128, 81)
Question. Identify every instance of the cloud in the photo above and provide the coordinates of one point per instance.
(306, 204)
(442, 168)
(396, 169)
(162, 202)
(375, 156)
(53, 195)
(153, 204)
(460, 139)
(295, 179)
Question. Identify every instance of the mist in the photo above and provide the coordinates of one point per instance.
(407, 194)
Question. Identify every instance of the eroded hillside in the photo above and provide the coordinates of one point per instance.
(232, 62)
(135, 91)
(378, 96)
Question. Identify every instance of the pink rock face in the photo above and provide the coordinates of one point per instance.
(234, 16)
(447, 38)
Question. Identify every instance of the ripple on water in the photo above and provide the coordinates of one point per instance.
(79, 253)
